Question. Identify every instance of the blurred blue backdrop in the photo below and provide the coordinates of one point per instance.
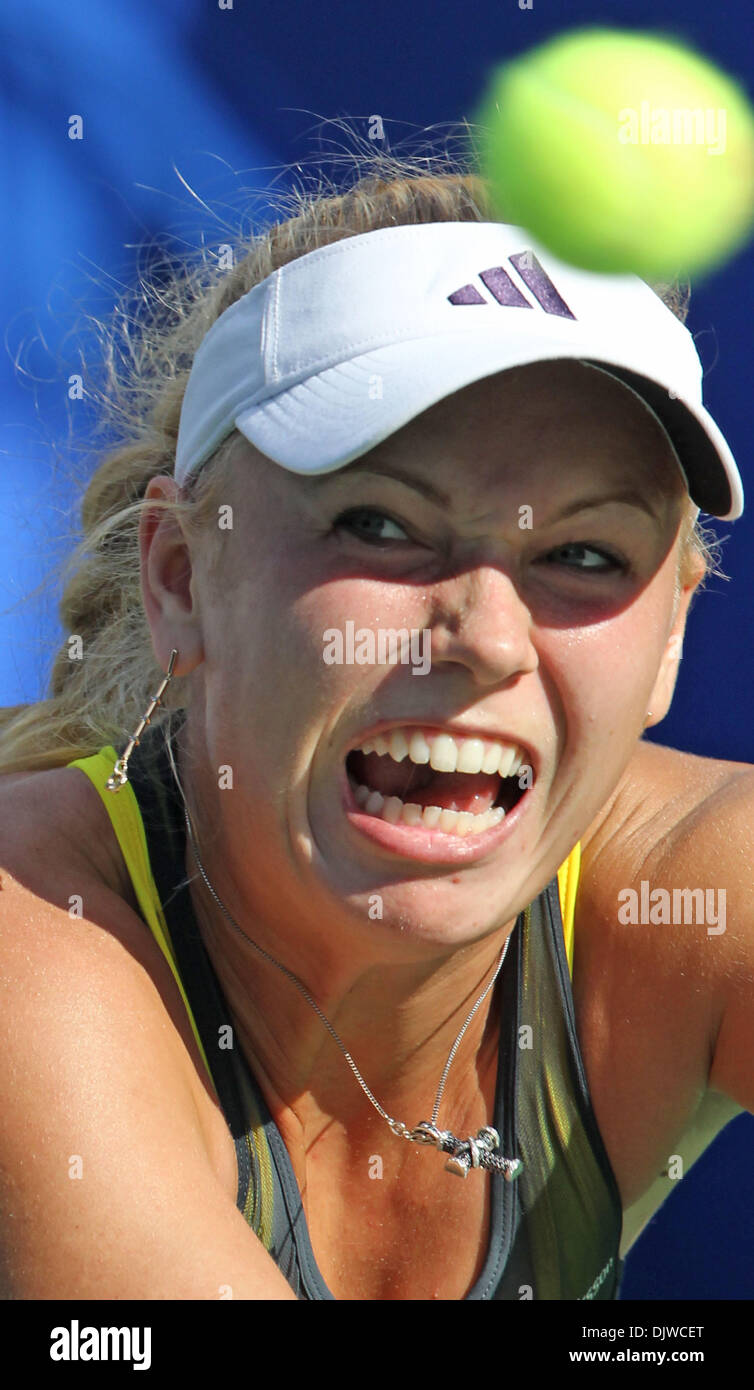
(185, 95)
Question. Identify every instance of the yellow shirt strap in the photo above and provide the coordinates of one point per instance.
(568, 882)
(125, 816)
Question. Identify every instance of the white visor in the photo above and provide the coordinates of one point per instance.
(343, 346)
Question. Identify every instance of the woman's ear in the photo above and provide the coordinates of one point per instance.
(168, 594)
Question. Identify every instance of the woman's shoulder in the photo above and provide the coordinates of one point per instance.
(58, 844)
(61, 860)
(678, 823)
(57, 817)
(100, 1080)
(663, 795)
(673, 852)
(61, 891)
(676, 768)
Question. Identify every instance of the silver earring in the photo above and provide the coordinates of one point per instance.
(120, 772)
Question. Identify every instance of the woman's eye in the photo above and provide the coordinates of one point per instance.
(371, 525)
(610, 562)
(376, 528)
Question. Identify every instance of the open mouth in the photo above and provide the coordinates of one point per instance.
(423, 778)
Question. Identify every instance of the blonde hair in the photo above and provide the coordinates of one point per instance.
(100, 685)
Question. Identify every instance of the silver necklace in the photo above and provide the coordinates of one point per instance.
(464, 1154)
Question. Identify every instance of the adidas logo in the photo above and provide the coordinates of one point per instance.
(506, 292)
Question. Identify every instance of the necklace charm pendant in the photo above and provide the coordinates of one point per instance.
(468, 1153)
(476, 1152)
(465, 1154)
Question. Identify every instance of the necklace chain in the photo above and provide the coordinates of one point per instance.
(465, 1154)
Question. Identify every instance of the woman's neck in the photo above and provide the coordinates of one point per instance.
(397, 1006)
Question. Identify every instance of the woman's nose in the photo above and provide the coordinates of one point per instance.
(479, 620)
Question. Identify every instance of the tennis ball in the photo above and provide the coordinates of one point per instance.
(620, 151)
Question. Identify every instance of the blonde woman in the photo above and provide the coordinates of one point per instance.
(319, 967)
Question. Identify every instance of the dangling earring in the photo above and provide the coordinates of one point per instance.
(120, 773)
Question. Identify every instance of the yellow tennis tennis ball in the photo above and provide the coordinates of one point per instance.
(620, 151)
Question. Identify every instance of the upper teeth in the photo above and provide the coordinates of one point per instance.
(447, 754)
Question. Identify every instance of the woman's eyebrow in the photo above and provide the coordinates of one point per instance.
(387, 470)
(626, 495)
(435, 494)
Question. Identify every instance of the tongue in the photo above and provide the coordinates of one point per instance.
(454, 791)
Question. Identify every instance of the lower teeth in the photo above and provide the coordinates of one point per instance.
(395, 811)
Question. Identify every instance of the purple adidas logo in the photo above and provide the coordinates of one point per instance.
(504, 291)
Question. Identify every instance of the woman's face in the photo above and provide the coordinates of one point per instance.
(528, 525)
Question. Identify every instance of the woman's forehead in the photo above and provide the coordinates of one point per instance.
(540, 393)
(497, 432)
(530, 419)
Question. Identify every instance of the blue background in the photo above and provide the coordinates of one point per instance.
(181, 95)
